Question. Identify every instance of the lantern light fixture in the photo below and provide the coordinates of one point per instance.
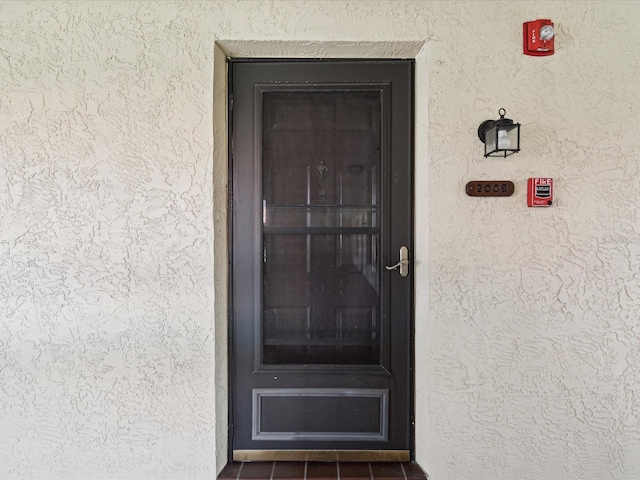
(501, 137)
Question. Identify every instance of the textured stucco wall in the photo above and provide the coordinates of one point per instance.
(112, 233)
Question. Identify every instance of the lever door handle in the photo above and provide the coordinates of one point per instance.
(403, 264)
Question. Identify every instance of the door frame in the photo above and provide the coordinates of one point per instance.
(279, 48)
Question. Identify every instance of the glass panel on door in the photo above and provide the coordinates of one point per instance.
(321, 227)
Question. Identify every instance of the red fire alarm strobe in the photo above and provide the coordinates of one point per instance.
(540, 192)
(537, 37)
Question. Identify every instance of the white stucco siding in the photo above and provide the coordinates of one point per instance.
(113, 245)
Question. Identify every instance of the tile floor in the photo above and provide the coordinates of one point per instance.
(322, 471)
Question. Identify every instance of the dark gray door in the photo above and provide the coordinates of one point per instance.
(321, 198)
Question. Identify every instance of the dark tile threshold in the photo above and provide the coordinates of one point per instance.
(322, 471)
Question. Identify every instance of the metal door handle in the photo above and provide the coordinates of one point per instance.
(403, 263)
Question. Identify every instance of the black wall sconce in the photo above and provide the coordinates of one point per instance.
(501, 137)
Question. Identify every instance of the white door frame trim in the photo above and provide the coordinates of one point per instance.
(309, 49)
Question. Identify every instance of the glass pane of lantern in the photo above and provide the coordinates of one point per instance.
(508, 139)
(490, 140)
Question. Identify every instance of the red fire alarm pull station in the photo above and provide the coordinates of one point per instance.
(537, 37)
(540, 192)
